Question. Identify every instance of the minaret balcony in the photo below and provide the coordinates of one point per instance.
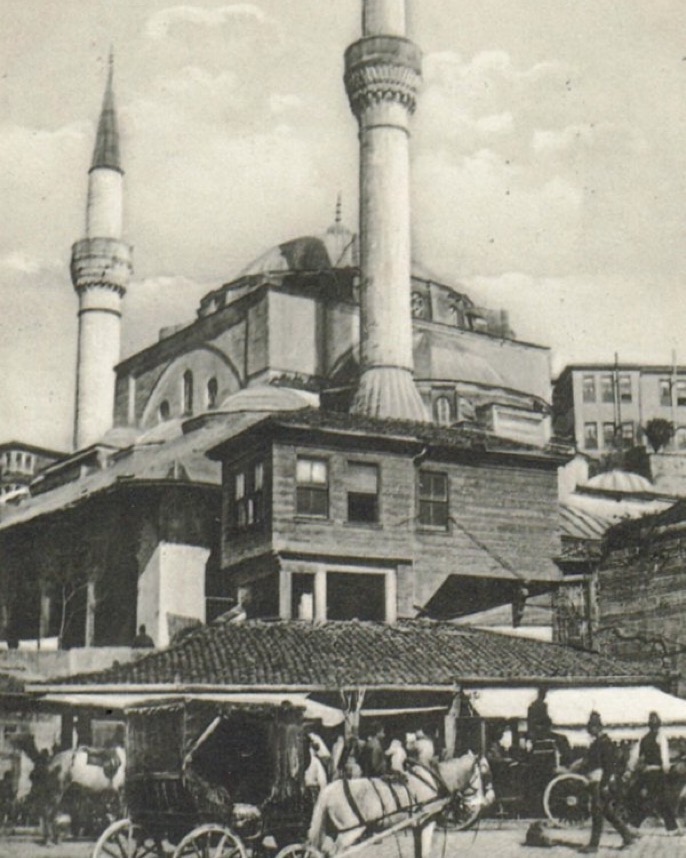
(105, 262)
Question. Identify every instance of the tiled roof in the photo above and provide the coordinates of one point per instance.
(465, 438)
(330, 655)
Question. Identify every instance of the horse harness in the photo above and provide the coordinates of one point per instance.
(429, 777)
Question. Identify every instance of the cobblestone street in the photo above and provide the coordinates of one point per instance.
(491, 840)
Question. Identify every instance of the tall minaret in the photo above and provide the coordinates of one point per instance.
(100, 271)
(382, 75)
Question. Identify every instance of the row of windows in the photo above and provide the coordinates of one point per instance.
(12, 460)
(609, 386)
(611, 435)
(312, 494)
(187, 397)
(10, 487)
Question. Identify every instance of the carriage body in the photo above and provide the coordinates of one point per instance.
(198, 765)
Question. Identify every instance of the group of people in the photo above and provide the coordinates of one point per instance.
(623, 798)
(375, 756)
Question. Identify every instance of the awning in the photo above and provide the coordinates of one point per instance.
(116, 703)
(624, 710)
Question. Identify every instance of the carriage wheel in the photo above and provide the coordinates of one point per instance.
(567, 801)
(123, 839)
(299, 850)
(210, 841)
(458, 815)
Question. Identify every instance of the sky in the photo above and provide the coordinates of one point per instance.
(547, 165)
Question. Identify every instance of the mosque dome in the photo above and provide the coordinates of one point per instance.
(121, 436)
(623, 482)
(165, 430)
(336, 248)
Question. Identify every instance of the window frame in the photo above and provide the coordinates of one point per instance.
(247, 508)
(609, 438)
(589, 394)
(607, 391)
(681, 393)
(594, 424)
(665, 388)
(312, 489)
(364, 496)
(625, 387)
(432, 501)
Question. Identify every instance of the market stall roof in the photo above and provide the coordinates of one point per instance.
(298, 656)
(624, 710)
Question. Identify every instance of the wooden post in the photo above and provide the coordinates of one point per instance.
(89, 633)
(417, 832)
(450, 724)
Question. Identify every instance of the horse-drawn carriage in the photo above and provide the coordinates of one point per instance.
(227, 780)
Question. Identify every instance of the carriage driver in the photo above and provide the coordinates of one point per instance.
(649, 759)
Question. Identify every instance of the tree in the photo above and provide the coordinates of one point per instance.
(659, 432)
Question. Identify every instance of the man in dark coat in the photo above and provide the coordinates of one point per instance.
(599, 764)
(374, 762)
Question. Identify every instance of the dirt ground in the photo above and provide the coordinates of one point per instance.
(490, 840)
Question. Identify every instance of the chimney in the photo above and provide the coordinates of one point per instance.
(382, 76)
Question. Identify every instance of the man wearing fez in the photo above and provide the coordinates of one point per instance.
(599, 765)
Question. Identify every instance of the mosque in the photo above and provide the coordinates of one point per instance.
(335, 435)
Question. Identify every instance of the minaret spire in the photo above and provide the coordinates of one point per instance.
(382, 76)
(100, 270)
(106, 149)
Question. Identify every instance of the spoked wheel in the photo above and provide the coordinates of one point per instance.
(299, 850)
(123, 839)
(459, 815)
(210, 841)
(567, 800)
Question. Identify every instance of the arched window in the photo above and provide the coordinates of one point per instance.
(443, 411)
(165, 410)
(188, 392)
(212, 390)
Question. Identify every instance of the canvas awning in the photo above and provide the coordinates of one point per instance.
(624, 710)
(116, 703)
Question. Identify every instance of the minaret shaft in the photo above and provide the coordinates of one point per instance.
(100, 270)
(383, 72)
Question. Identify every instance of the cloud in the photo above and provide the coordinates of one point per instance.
(158, 25)
(18, 261)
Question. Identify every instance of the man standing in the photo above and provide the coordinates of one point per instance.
(599, 764)
(374, 755)
(538, 723)
(649, 759)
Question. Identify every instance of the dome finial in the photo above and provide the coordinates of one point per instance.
(339, 207)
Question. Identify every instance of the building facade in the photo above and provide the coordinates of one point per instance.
(20, 464)
(605, 407)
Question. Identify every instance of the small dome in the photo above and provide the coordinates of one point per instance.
(621, 481)
(121, 436)
(268, 398)
(167, 430)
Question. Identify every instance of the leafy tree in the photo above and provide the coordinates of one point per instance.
(659, 432)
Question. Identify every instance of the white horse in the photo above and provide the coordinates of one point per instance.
(346, 810)
(93, 770)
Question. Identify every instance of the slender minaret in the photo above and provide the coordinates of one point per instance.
(100, 271)
(382, 76)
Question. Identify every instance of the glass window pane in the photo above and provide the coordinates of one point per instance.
(363, 477)
(319, 472)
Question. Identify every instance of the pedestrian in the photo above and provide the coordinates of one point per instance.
(143, 639)
(7, 799)
(44, 794)
(538, 722)
(649, 765)
(373, 761)
(599, 764)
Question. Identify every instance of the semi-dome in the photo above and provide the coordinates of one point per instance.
(268, 398)
(623, 482)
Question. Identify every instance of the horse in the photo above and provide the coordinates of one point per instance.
(347, 809)
(97, 773)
